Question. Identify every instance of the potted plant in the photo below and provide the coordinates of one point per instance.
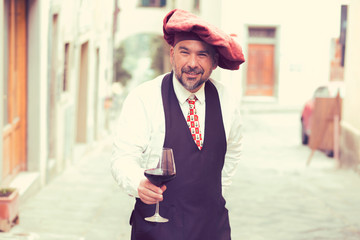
(9, 208)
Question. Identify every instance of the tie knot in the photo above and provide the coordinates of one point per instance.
(192, 99)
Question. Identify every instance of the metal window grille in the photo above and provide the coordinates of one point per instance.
(153, 3)
(262, 32)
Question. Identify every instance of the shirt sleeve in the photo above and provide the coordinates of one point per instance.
(234, 149)
(130, 142)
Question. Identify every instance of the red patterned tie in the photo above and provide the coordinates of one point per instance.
(193, 123)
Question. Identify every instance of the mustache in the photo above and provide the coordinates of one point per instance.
(191, 70)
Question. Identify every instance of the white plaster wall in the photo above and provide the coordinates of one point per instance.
(351, 104)
(77, 23)
(37, 87)
(95, 27)
(229, 24)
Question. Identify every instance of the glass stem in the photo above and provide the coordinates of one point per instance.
(157, 209)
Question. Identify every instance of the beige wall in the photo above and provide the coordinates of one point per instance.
(350, 125)
(37, 90)
(81, 22)
(77, 23)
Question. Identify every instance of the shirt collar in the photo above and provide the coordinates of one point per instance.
(182, 94)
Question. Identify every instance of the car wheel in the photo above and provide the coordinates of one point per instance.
(304, 136)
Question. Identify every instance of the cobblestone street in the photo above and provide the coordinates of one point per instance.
(274, 195)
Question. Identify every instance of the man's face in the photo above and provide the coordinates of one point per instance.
(193, 62)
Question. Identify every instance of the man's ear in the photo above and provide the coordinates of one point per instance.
(171, 55)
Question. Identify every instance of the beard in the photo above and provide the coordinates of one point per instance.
(190, 84)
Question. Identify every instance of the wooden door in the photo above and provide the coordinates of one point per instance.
(260, 73)
(15, 93)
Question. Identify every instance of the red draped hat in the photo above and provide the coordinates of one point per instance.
(180, 25)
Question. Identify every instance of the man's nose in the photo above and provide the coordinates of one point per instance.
(192, 61)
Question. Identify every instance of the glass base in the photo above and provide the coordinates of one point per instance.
(157, 218)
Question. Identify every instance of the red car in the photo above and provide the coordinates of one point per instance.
(329, 90)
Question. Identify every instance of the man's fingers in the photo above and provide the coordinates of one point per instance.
(149, 193)
(152, 187)
(146, 199)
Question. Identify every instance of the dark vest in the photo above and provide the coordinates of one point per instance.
(193, 201)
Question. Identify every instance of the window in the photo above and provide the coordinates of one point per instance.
(255, 32)
(153, 3)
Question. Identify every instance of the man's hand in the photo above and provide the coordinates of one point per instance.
(149, 193)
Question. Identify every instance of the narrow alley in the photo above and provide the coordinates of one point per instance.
(66, 67)
(274, 195)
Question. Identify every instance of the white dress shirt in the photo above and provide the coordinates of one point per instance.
(141, 131)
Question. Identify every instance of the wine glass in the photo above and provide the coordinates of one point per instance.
(163, 173)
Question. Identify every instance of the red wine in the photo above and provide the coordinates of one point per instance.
(158, 177)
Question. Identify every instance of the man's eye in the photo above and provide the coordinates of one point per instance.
(183, 52)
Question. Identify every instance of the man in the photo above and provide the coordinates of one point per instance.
(206, 143)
